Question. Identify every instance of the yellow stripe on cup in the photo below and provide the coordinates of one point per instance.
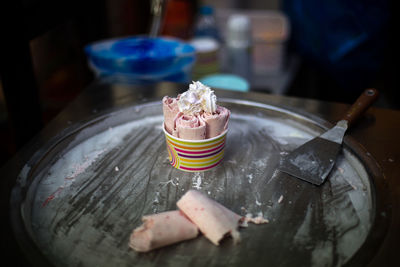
(202, 164)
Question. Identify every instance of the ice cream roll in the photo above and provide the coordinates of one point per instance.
(170, 111)
(213, 219)
(190, 127)
(216, 122)
(162, 229)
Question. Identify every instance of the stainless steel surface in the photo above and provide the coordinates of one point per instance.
(103, 106)
(314, 160)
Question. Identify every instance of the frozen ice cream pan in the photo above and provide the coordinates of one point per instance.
(79, 197)
(195, 155)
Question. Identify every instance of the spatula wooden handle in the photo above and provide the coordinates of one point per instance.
(363, 102)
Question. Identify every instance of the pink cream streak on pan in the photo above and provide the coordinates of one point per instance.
(78, 169)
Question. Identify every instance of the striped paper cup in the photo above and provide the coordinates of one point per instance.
(195, 155)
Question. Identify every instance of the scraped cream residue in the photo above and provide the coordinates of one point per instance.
(79, 158)
(197, 180)
(249, 218)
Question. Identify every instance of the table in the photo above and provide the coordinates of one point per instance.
(377, 132)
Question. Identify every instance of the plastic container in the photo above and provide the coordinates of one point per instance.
(206, 25)
(207, 57)
(226, 81)
(238, 46)
(142, 59)
(270, 31)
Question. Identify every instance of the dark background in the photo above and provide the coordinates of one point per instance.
(43, 65)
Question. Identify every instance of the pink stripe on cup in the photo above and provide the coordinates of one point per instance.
(201, 156)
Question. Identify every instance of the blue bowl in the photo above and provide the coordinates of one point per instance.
(141, 58)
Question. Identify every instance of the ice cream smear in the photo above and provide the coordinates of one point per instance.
(197, 99)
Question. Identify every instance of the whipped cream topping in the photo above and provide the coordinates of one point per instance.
(198, 98)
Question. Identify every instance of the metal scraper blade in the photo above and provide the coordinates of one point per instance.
(313, 161)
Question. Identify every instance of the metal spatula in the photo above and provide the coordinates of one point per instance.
(313, 161)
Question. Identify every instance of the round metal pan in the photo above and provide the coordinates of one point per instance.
(78, 199)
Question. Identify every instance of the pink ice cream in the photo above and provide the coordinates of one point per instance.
(214, 220)
(190, 127)
(170, 110)
(196, 212)
(217, 122)
(162, 229)
(194, 115)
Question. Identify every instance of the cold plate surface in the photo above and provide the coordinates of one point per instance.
(82, 199)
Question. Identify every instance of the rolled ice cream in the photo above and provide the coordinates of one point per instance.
(162, 229)
(214, 220)
(215, 122)
(197, 212)
(170, 110)
(194, 114)
(190, 127)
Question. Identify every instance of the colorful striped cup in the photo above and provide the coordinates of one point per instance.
(195, 155)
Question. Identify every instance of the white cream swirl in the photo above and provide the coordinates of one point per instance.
(197, 99)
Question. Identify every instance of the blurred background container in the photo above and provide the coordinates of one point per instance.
(207, 56)
(271, 32)
(141, 60)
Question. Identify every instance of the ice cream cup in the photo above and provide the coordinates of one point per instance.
(195, 155)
